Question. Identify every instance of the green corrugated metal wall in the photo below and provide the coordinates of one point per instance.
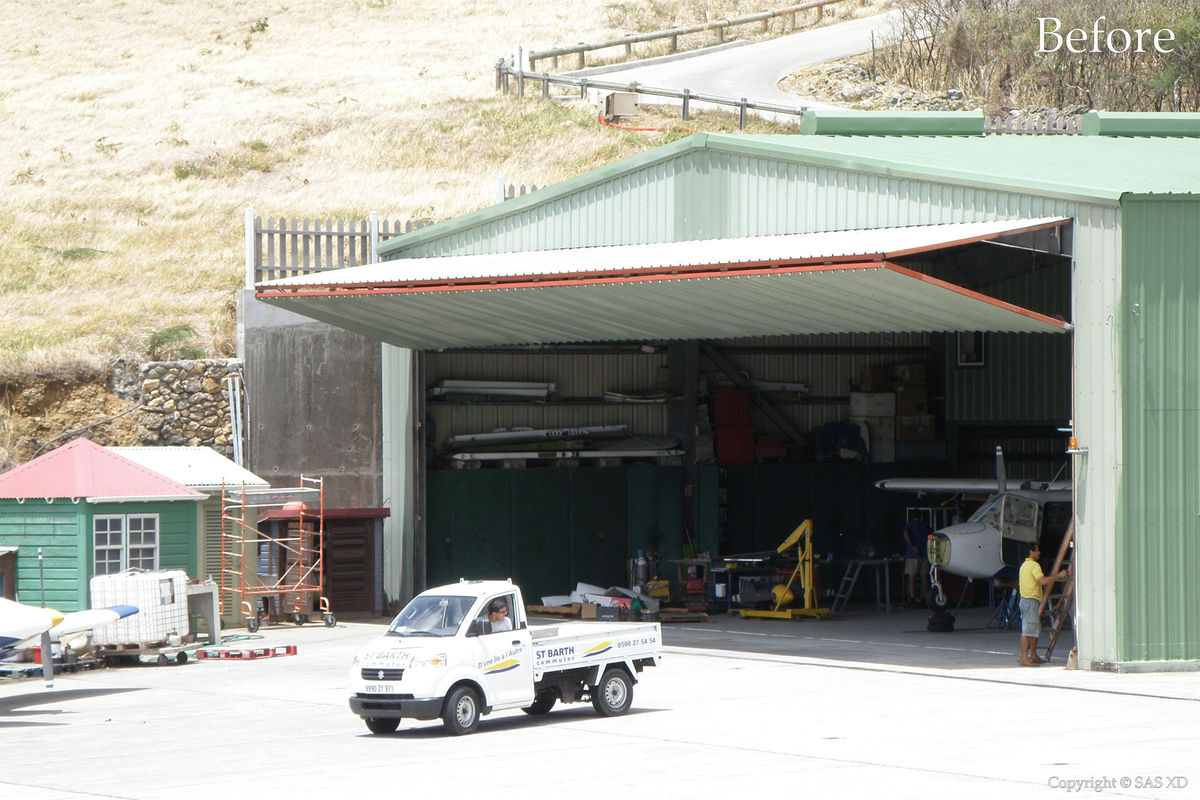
(548, 529)
(57, 528)
(1158, 514)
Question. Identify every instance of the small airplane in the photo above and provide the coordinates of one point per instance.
(995, 540)
(20, 625)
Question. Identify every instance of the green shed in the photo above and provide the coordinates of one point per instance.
(82, 510)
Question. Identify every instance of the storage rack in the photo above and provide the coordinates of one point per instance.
(293, 576)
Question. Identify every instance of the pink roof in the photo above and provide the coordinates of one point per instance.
(85, 469)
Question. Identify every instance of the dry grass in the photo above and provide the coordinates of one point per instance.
(136, 133)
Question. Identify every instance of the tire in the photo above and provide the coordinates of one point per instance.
(614, 694)
(330, 620)
(936, 599)
(542, 703)
(181, 657)
(376, 725)
(297, 618)
(252, 624)
(460, 715)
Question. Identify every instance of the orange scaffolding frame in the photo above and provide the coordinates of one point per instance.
(300, 575)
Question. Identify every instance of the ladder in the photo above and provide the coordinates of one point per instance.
(846, 587)
(1060, 610)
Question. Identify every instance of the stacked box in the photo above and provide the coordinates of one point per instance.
(876, 379)
(915, 428)
(911, 399)
(881, 437)
(160, 597)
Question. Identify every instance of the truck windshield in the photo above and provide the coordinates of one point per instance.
(431, 615)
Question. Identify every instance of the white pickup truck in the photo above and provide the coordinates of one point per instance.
(466, 649)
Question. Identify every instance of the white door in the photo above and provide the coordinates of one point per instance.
(505, 659)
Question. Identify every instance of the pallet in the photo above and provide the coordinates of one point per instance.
(244, 654)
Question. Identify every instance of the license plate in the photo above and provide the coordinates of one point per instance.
(379, 688)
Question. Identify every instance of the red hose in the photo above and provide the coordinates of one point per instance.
(603, 121)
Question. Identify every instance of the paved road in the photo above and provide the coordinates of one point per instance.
(706, 723)
(754, 71)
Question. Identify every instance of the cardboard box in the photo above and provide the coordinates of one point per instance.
(912, 399)
(872, 404)
(876, 379)
(916, 428)
(877, 427)
(909, 373)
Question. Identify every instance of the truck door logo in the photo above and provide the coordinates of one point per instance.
(503, 666)
(603, 647)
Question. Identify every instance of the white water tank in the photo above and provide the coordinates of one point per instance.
(160, 597)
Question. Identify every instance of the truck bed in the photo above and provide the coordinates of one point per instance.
(571, 645)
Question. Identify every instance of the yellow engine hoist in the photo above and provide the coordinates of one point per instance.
(801, 538)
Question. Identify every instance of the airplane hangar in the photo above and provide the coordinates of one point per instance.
(1010, 290)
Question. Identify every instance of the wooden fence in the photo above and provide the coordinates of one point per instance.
(281, 247)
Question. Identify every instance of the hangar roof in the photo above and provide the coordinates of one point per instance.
(833, 282)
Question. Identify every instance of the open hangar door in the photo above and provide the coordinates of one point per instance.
(659, 354)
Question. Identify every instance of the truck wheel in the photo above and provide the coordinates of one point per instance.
(542, 703)
(461, 713)
(376, 725)
(614, 694)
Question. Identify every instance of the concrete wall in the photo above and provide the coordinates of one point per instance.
(313, 397)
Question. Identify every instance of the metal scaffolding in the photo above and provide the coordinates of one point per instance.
(274, 576)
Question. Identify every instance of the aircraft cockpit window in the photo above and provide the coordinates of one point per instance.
(1020, 519)
(990, 513)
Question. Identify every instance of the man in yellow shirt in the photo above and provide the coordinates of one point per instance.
(1033, 583)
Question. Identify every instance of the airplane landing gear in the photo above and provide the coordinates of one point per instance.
(941, 620)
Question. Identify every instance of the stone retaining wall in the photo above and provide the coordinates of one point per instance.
(186, 403)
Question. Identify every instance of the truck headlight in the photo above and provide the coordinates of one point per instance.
(438, 660)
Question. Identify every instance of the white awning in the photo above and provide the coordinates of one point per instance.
(837, 282)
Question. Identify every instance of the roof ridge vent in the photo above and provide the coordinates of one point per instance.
(886, 123)
(1140, 123)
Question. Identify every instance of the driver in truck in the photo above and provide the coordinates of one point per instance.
(498, 616)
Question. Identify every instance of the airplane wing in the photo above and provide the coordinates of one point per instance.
(19, 623)
(86, 620)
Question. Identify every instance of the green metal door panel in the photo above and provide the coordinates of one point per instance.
(56, 528)
(708, 508)
(782, 500)
(481, 541)
(540, 542)
(1157, 539)
(598, 513)
(739, 510)
(439, 525)
(837, 509)
(654, 510)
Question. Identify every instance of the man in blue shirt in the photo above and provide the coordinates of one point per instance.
(916, 533)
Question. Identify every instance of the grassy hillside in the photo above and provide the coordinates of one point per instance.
(136, 133)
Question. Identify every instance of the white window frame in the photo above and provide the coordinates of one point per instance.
(123, 549)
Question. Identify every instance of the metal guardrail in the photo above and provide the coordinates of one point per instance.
(718, 25)
(505, 71)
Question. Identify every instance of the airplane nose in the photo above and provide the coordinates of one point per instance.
(938, 549)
